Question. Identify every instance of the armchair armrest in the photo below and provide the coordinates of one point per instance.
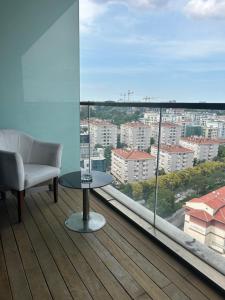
(11, 170)
(46, 154)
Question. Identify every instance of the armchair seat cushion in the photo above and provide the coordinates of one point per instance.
(35, 174)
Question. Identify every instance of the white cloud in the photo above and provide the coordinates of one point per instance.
(191, 49)
(89, 11)
(175, 49)
(145, 4)
(205, 8)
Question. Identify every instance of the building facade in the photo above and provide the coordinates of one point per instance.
(103, 133)
(204, 148)
(170, 133)
(135, 135)
(130, 166)
(211, 130)
(205, 219)
(173, 157)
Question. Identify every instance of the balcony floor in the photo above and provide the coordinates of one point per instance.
(41, 259)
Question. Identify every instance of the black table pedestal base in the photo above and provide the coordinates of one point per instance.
(76, 222)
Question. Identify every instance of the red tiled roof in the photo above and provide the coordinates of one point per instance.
(221, 141)
(167, 124)
(132, 155)
(220, 215)
(215, 199)
(200, 214)
(135, 124)
(99, 122)
(201, 140)
(174, 149)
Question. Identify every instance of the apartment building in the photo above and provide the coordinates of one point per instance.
(173, 157)
(170, 133)
(136, 135)
(169, 115)
(129, 166)
(191, 130)
(210, 130)
(103, 132)
(205, 219)
(204, 148)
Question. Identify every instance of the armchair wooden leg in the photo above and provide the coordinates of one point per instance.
(20, 200)
(55, 188)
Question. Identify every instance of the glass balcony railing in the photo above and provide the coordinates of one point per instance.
(165, 159)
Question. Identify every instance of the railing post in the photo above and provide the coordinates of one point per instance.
(157, 166)
(89, 134)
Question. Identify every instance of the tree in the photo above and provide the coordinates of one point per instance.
(107, 154)
(195, 162)
(126, 189)
(161, 172)
(165, 203)
(137, 190)
(98, 146)
(152, 141)
(221, 151)
(119, 144)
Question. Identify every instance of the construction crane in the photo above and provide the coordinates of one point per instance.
(149, 98)
(129, 93)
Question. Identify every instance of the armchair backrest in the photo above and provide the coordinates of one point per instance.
(16, 141)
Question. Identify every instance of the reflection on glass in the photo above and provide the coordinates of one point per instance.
(190, 156)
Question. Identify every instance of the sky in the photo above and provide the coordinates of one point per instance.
(162, 49)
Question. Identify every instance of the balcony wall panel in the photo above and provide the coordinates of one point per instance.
(39, 73)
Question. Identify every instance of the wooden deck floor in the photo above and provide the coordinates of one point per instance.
(41, 259)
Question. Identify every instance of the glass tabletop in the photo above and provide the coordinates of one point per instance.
(73, 180)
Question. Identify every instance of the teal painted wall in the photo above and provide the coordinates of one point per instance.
(39, 72)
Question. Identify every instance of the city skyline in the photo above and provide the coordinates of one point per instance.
(167, 50)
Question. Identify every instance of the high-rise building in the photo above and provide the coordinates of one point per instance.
(204, 148)
(205, 219)
(170, 133)
(102, 133)
(173, 157)
(135, 135)
(129, 166)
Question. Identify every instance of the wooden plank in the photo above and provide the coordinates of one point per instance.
(146, 274)
(134, 267)
(125, 279)
(5, 290)
(174, 292)
(139, 259)
(209, 291)
(141, 277)
(193, 281)
(66, 268)
(53, 277)
(121, 227)
(159, 278)
(183, 270)
(37, 283)
(128, 280)
(18, 281)
(153, 290)
(108, 280)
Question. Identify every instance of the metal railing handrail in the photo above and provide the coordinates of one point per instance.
(185, 105)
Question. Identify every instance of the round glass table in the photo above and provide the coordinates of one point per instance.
(85, 221)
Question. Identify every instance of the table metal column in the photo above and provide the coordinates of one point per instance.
(85, 221)
(85, 204)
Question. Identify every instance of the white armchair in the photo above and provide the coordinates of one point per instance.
(26, 162)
